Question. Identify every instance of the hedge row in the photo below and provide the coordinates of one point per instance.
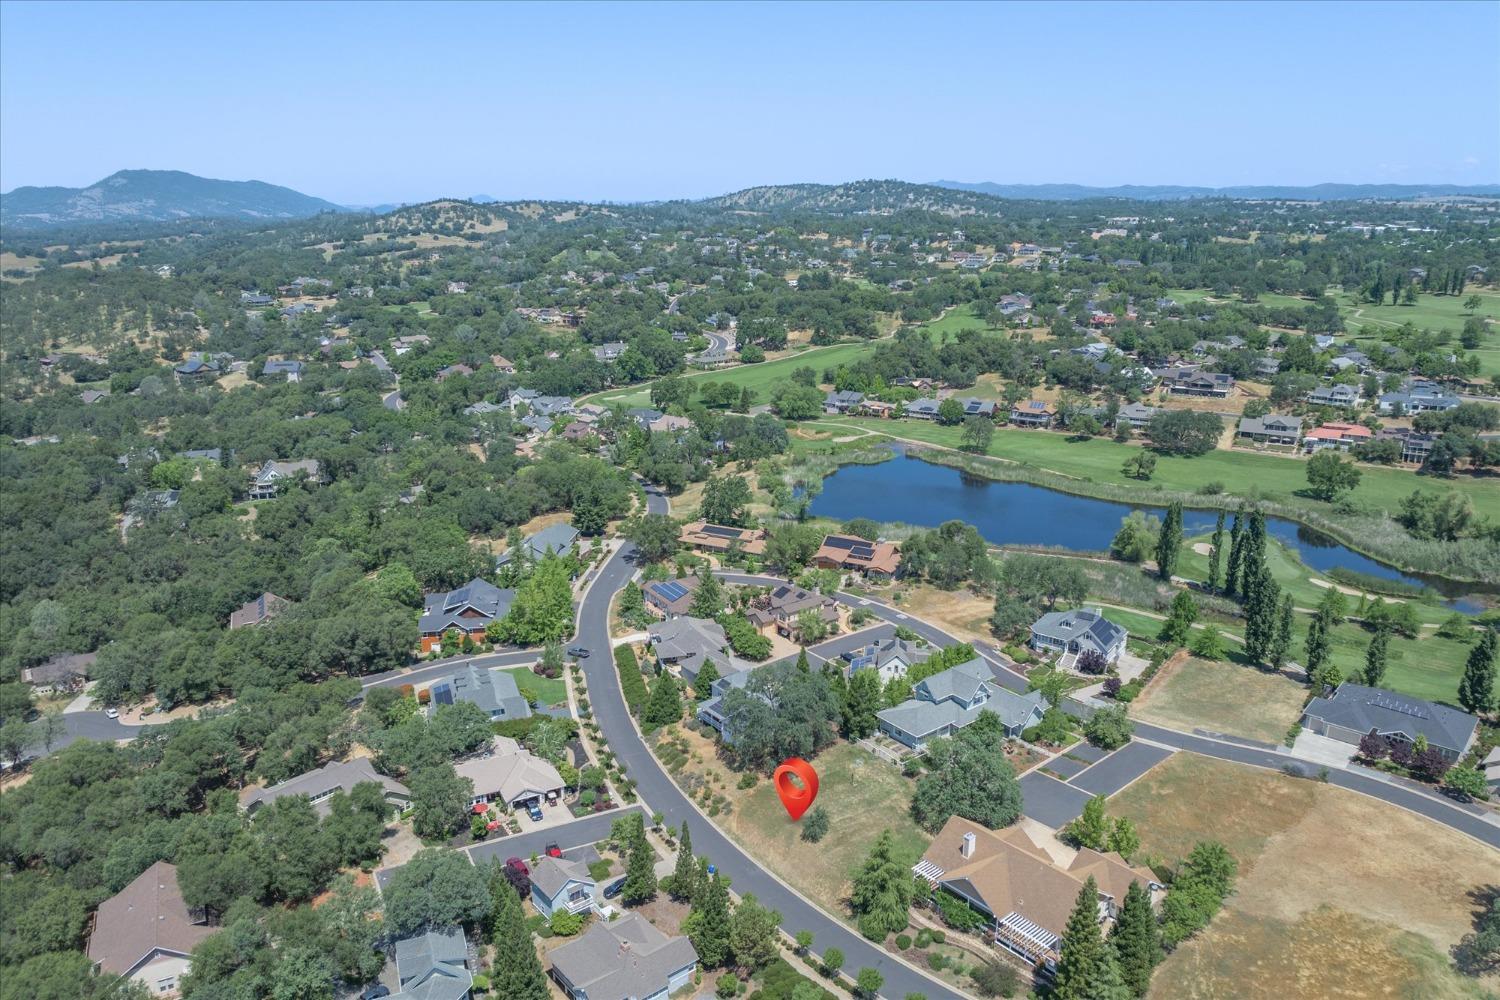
(632, 684)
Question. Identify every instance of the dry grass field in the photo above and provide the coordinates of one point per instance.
(1223, 698)
(958, 612)
(1339, 895)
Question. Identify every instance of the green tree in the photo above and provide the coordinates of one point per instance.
(1466, 782)
(708, 924)
(1083, 952)
(439, 800)
(725, 500)
(1136, 940)
(516, 972)
(543, 607)
(1236, 552)
(950, 412)
(1091, 829)
(1136, 538)
(815, 826)
(1330, 476)
(1262, 607)
(1281, 641)
(1169, 542)
(833, 961)
(969, 776)
(1216, 547)
(977, 434)
(436, 887)
(882, 891)
(1123, 839)
(1109, 728)
(655, 536)
(753, 938)
(684, 882)
(640, 867)
(1375, 657)
(1208, 644)
(303, 973)
(665, 706)
(1476, 691)
(1179, 624)
(862, 699)
(1140, 465)
(867, 983)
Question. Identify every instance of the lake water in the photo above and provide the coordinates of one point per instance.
(920, 493)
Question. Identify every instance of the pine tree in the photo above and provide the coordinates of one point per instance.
(881, 895)
(1281, 642)
(709, 925)
(1213, 556)
(516, 972)
(640, 868)
(1476, 692)
(1317, 645)
(803, 667)
(1136, 940)
(1236, 553)
(708, 599)
(1169, 541)
(665, 706)
(1082, 952)
(1375, 657)
(685, 875)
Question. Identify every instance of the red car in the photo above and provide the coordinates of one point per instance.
(518, 865)
(553, 851)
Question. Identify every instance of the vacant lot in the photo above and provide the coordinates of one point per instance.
(1339, 895)
(761, 379)
(1223, 698)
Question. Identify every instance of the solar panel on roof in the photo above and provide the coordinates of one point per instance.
(442, 694)
(671, 590)
(862, 552)
(718, 532)
(840, 542)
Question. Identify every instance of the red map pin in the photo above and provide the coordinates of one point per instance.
(797, 800)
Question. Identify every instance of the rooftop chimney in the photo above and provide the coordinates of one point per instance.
(967, 850)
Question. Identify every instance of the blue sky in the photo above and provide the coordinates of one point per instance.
(364, 104)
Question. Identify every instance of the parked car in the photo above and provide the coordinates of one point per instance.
(534, 810)
(578, 652)
(518, 865)
(376, 992)
(112, 713)
(553, 851)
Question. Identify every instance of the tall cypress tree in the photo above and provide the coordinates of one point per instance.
(1082, 952)
(709, 930)
(708, 599)
(640, 867)
(1169, 541)
(1236, 553)
(1476, 692)
(516, 971)
(1213, 556)
(1281, 642)
(685, 875)
(1136, 941)
(1375, 657)
(1262, 607)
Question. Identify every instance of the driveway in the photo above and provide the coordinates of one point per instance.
(1322, 750)
(1048, 801)
(1120, 768)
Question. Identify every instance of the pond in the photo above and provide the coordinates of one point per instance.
(915, 492)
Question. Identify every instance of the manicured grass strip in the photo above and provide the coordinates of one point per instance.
(760, 379)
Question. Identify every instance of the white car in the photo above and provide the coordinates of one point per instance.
(113, 713)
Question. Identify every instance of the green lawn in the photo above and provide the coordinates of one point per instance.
(1241, 473)
(546, 690)
(1188, 296)
(760, 379)
(1434, 312)
(958, 318)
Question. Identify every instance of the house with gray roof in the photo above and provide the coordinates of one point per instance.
(1136, 415)
(625, 959)
(492, 689)
(842, 401)
(557, 539)
(890, 658)
(433, 965)
(1354, 711)
(923, 409)
(320, 784)
(267, 481)
(197, 369)
(711, 711)
(1419, 396)
(289, 370)
(947, 702)
(258, 610)
(1073, 633)
(563, 884)
(1335, 395)
(610, 351)
(686, 643)
(468, 610)
(1273, 428)
(146, 932)
(64, 672)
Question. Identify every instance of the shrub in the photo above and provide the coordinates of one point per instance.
(924, 938)
(815, 826)
(565, 924)
(939, 936)
(956, 913)
(1112, 686)
(632, 684)
(903, 941)
(936, 961)
(747, 780)
(726, 986)
(1109, 729)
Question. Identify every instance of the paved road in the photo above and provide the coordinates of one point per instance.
(444, 667)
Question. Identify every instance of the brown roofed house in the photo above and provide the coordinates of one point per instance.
(146, 932)
(262, 609)
(708, 537)
(851, 554)
(65, 672)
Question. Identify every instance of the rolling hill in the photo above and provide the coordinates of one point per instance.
(155, 196)
(1173, 192)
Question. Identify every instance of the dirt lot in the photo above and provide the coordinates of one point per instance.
(1223, 698)
(959, 613)
(1339, 895)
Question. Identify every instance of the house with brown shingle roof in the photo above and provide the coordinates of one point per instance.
(146, 932)
(877, 560)
(261, 609)
(706, 537)
(1024, 891)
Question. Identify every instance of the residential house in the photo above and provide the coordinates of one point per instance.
(468, 610)
(624, 959)
(62, 673)
(1136, 415)
(1267, 367)
(444, 374)
(1335, 395)
(260, 609)
(297, 309)
(670, 598)
(320, 784)
(842, 401)
(1419, 396)
(851, 554)
(1033, 413)
(403, 344)
(92, 396)
(1078, 631)
(1415, 447)
(557, 539)
(1336, 435)
(267, 481)
(507, 772)
(1273, 428)
(196, 369)
(433, 965)
(536, 426)
(255, 300)
(1026, 893)
(457, 287)
(977, 407)
(1191, 381)
(889, 658)
(707, 537)
(610, 351)
(146, 932)
(204, 455)
(1354, 711)
(877, 408)
(563, 885)
(505, 366)
(289, 370)
(785, 602)
(923, 409)
(493, 690)
(947, 702)
(644, 416)
(685, 643)
(483, 408)
(711, 710)
(669, 423)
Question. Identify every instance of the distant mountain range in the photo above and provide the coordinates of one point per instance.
(1172, 192)
(155, 196)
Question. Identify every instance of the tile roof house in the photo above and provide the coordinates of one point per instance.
(1027, 894)
(468, 609)
(1033, 413)
(1078, 631)
(63, 672)
(146, 932)
(320, 784)
(509, 773)
(1353, 711)
(889, 658)
(670, 598)
(947, 702)
(1336, 435)
(557, 539)
(707, 537)
(563, 884)
(851, 554)
(433, 965)
(268, 479)
(492, 689)
(1273, 428)
(261, 609)
(625, 959)
(687, 643)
